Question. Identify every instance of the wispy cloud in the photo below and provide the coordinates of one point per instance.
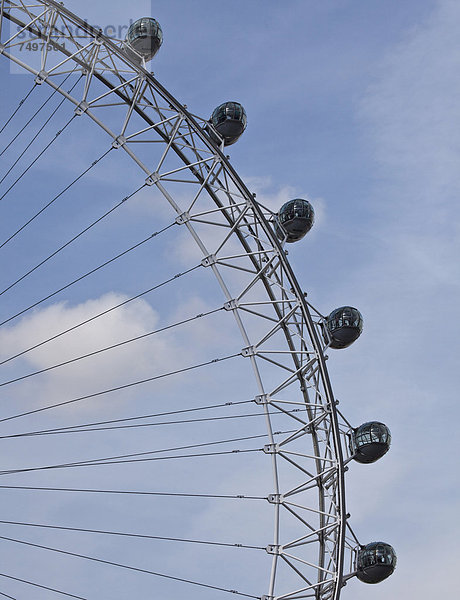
(409, 293)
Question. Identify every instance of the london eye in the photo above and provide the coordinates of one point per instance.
(168, 420)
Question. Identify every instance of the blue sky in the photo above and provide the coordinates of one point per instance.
(352, 104)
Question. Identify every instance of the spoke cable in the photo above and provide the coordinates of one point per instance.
(33, 116)
(92, 271)
(161, 414)
(42, 210)
(88, 428)
(129, 461)
(135, 535)
(18, 179)
(133, 493)
(176, 448)
(164, 414)
(21, 102)
(131, 568)
(15, 316)
(123, 387)
(134, 457)
(113, 346)
(42, 152)
(43, 587)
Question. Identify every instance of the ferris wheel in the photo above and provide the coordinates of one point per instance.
(122, 467)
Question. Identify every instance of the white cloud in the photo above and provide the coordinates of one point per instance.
(111, 368)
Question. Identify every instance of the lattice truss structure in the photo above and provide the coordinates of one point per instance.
(283, 336)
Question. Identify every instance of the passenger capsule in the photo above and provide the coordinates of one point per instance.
(370, 441)
(229, 120)
(375, 562)
(143, 39)
(294, 220)
(344, 325)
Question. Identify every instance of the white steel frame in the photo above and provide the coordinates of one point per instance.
(221, 203)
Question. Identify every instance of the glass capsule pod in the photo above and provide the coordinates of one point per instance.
(370, 441)
(345, 325)
(375, 562)
(143, 39)
(229, 120)
(294, 220)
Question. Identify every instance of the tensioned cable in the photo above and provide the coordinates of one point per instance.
(133, 493)
(135, 535)
(121, 460)
(122, 457)
(43, 587)
(64, 246)
(131, 461)
(134, 247)
(106, 459)
(113, 346)
(33, 116)
(129, 567)
(42, 152)
(86, 228)
(134, 457)
(74, 429)
(122, 387)
(152, 289)
(134, 339)
(18, 107)
(50, 339)
(7, 596)
(162, 414)
(42, 210)
(35, 160)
